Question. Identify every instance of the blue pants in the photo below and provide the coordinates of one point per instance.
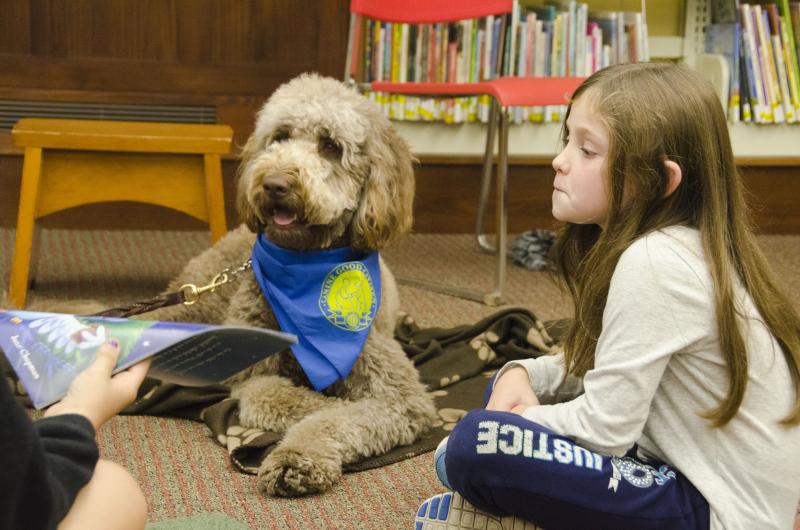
(505, 464)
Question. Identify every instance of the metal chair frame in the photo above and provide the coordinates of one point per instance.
(505, 92)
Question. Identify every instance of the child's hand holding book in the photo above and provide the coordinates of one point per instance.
(98, 395)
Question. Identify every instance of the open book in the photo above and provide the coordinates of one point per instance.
(48, 350)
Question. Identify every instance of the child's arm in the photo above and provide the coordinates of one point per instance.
(546, 378)
(659, 308)
(44, 464)
(512, 392)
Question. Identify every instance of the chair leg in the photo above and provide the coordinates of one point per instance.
(501, 228)
(215, 200)
(486, 179)
(26, 218)
(494, 297)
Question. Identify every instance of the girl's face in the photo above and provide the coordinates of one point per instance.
(580, 192)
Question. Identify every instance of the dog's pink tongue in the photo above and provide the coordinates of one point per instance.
(283, 218)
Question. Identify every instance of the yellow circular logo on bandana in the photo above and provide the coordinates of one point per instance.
(347, 298)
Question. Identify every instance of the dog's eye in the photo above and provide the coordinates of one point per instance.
(329, 147)
(280, 135)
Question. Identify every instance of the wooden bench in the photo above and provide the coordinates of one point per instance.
(70, 163)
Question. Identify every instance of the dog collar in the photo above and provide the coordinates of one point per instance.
(328, 298)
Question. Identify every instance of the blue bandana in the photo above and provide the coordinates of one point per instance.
(328, 298)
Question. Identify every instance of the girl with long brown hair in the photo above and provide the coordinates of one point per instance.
(675, 402)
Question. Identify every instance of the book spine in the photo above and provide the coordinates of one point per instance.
(783, 79)
(418, 53)
(548, 30)
(774, 21)
(556, 49)
(378, 51)
(444, 53)
(630, 32)
(570, 67)
(530, 43)
(768, 65)
(744, 79)
(596, 43)
(563, 53)
(432, 57)
(488, 51)
(749, 102)
(794, 14)
(452, 73)
(622, 54)
(790, 27)
(522, 47)
(367, 56)
(441, 52)
(465, 51)
(761, 108)
(734, 99)
(480, 55)
(475, 69)
(581, 39)
(497, 38)
(388, 36)
(402, 74)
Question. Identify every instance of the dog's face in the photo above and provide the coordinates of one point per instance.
(324, 168)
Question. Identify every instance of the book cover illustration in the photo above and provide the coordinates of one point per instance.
(48, 350)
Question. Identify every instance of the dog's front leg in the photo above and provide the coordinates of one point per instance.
(275, 403)
(309, 459)
(385, 406)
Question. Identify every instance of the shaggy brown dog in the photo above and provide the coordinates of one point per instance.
(323, 169)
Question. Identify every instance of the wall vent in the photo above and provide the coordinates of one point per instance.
(12, 111)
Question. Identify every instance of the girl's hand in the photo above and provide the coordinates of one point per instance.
(95, 393)
(512, 392)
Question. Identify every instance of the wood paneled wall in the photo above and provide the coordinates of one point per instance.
(227, 53)
(445, 202)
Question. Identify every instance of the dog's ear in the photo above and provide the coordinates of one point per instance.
(385, 213)
(246, 212)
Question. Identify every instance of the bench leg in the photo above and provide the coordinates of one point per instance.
(215, 198)
(31, 173)
(36, 252)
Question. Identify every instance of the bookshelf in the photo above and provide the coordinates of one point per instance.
(757, 144)
(540, 141)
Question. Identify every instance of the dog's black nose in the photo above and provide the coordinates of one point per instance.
(276, 186)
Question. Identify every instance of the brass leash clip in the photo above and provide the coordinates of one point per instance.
(192, 293)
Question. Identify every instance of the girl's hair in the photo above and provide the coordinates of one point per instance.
(655, 112)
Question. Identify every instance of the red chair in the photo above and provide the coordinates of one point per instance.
(505, 92)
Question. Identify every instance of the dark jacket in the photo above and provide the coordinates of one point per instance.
(44, 464)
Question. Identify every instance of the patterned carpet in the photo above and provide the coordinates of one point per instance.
(183, 472)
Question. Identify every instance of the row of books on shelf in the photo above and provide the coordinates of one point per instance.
(560, 38)
(761, 43)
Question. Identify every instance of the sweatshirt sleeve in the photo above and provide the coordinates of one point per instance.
(546, 374)
(657, 307)
(45, 464)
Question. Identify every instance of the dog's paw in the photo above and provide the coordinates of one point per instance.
(292, 473)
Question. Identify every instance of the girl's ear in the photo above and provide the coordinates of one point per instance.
(674, 176)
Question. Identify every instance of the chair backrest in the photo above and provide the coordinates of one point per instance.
(414, 12)
(428, 11)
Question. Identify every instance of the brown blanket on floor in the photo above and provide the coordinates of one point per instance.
(456, 365)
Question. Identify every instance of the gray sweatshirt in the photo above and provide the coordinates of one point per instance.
(658, 365)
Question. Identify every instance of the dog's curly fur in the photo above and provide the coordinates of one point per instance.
(323, 168)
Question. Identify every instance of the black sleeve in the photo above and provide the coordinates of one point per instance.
(44, 464)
